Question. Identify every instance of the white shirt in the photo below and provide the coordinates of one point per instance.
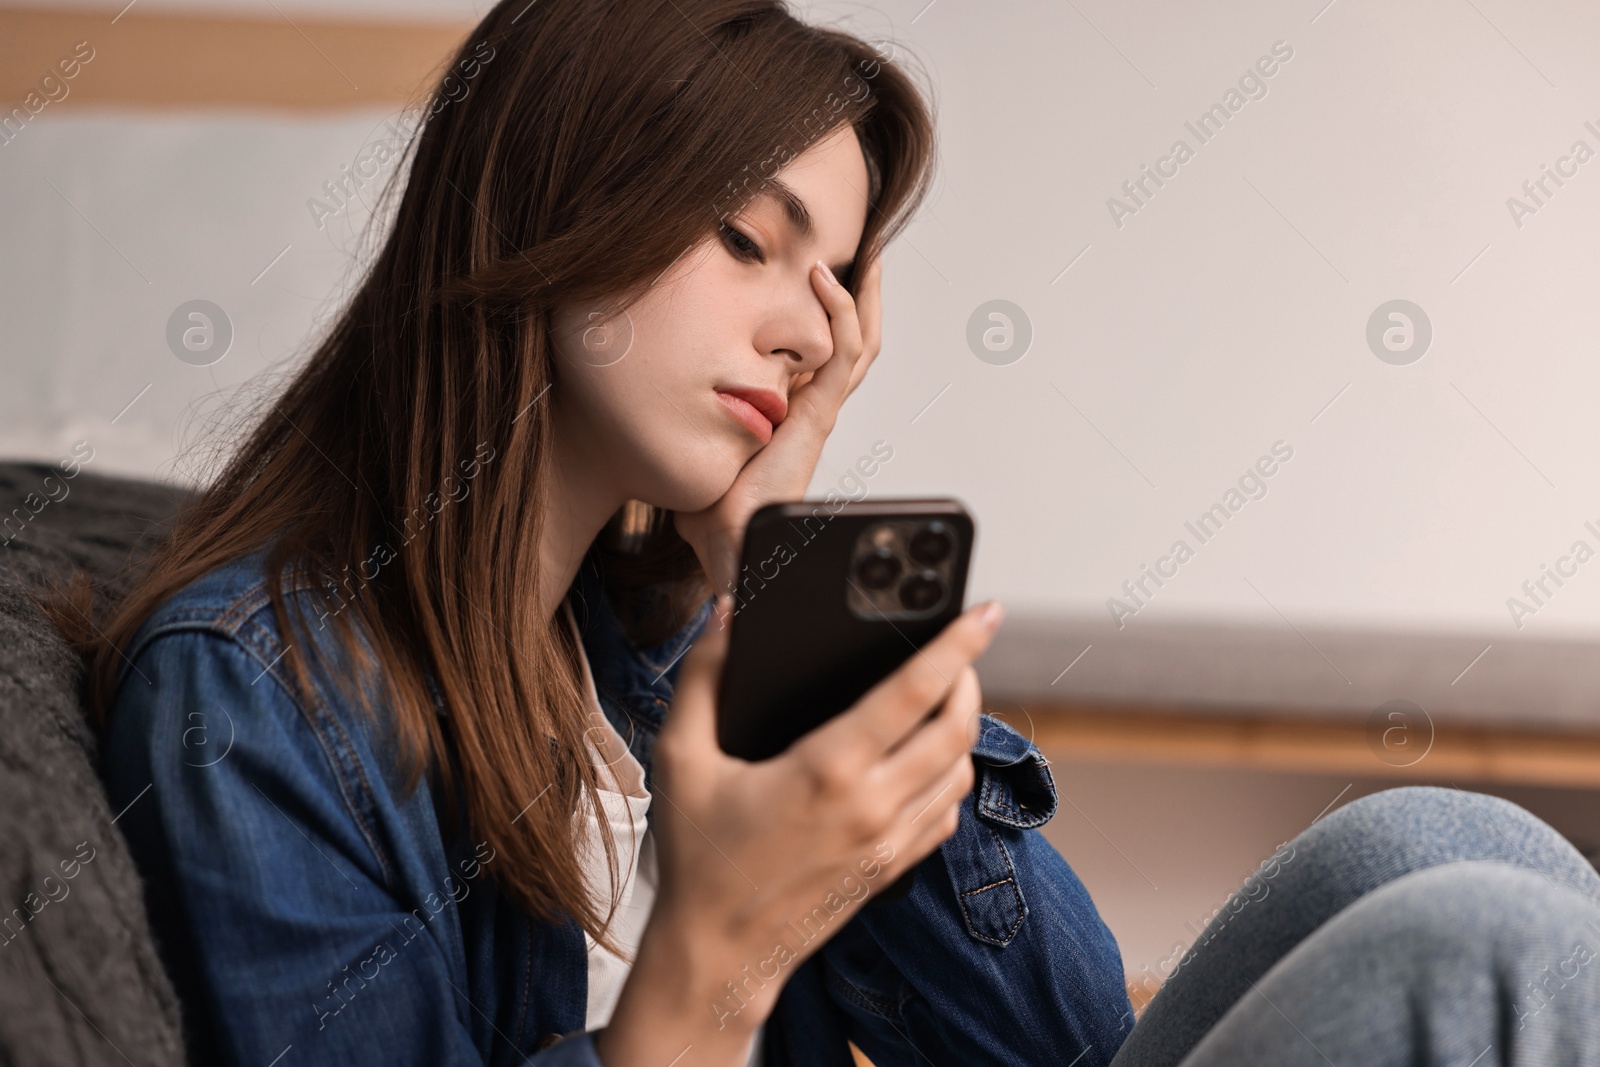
(636, 856)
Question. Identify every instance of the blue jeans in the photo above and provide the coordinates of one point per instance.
(1413, 926)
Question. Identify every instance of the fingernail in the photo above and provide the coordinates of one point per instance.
(992, 614)
(826, 273)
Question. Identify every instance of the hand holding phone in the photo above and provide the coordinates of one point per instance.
(831, 599)
(762, 862)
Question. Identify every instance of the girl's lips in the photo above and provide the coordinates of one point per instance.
(747, 415)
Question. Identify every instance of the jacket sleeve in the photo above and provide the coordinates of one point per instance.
(253, 826)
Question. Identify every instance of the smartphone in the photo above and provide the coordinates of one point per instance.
(830, 599)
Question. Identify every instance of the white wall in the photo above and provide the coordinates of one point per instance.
(419, 10)
(1221, 318)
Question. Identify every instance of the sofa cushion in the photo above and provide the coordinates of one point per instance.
(80, 977)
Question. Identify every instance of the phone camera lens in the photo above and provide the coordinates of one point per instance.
(932, 544)
(921, 591)
(878, 569)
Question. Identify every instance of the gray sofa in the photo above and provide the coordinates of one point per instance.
(80, 978)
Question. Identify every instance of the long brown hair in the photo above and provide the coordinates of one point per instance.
(593, 143)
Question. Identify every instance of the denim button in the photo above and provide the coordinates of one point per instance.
(547, 1040)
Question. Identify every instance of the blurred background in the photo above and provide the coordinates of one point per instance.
(1340, 344)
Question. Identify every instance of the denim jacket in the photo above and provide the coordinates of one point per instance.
(310, 914)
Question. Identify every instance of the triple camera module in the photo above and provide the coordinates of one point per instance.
(902, 569)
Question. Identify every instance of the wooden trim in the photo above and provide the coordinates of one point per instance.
(174, 60)
(1293, 743)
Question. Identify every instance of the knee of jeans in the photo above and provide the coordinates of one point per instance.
(1381, 822)
(1419, 826)
(1413, 803)
(1500, 914)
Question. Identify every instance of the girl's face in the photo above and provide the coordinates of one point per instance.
(644, 401)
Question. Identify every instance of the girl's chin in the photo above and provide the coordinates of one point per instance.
(690, 495)
(690, 475)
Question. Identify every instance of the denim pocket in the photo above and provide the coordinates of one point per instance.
(1014, 792)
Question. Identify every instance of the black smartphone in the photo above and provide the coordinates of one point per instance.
(832, 597)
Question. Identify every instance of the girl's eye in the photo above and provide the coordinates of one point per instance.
(740, 245)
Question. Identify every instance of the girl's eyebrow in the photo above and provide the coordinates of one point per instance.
(794, 209)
